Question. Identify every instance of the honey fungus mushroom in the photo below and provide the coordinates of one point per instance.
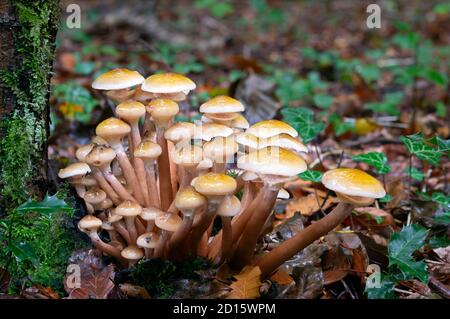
(118, 83)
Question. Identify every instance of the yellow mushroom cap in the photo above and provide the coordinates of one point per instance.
(148, 150)
(269, 128)
(94, 196)
(117, 79)
(180, 131)
(283, 194)
(272, 161)
(150, 213)
(74, 170)
(89, 223)
(240, 122)
(187, 156)
(105, 204)
(162, 110)
(284, 141)
(220, 149)
(248, 140)
(168, 83)
(208, 131)
(222, 104)
(83, 151)
(229, 207)
(148, 240)
(130, 110)
(353, 182)
(100, 155)
(112, 128)
(189, 199)
(128, 208)
(214, 184)
(221, 118)
(132, 253)
(168, 222)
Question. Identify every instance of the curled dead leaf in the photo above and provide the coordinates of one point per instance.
(247, 284)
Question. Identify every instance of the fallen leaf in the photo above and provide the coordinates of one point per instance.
(282, 277)
(134, 291)
(307, 205)
(373, 217)
(94, 285)
(247, 284)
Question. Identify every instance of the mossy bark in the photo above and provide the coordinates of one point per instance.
(27, 43)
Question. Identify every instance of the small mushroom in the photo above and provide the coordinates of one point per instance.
(168, 223)
(130, 210)
(221, 150)
(229, 208)
(133, 254)
(168, 85)
(148, 241)
(74, 172)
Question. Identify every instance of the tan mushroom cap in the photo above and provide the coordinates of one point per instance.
(150, 213)
(180, 131)
(220, 149)
(162, 110)
(283, 194)
(187, 156)
(107, 203)
(269, 128)
(114, 218)
(353, 182)
(248, 140)
(130, 110)
(205, 163)
(168, 222)
(168, 83)
(229, 207)
(132, 253)
(222, 104)
(214, 184)
(240, 122)
(100, 155)
(222, 118)
(208, 131)
(112, 128)
(128, 208)
(284, 141)
(272, 161)
(148, 150)
(74, 170)
(97, 140)
(148, 240)
(106, 225)
(94, 196)
(188, 199)
(83, 151)
(88, 180)
(89, 223)
(117, 79)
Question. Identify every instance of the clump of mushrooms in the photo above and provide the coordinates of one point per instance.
(156, 186)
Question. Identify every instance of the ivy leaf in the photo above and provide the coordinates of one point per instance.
(340, 126)
(440, 198)
(375, 159)
(439, 241)
(443, 219)
(401, 247)
(311, 175)
(23, 251)
(323, 101)
(302, 119)
(415, 173)
(417, 146)
(48, 206)
(442, 145)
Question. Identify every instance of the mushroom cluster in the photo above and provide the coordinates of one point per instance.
(155, 186)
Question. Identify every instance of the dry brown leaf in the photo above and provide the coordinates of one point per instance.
(94, 284)
(374, 217)
(282, 277)
(134, 291)
(247, 284)
(307, 205)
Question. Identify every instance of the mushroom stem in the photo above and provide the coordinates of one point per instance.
(165, 184)
(203, 224)
(276, 257)
(238, 222)
(139, 165)
(104, 247)
(180, 234)
(173, 169)
(81, 190)
(116, 184)
(159, 249)
(122, 230)
(226, 239)
(246, 245)
(151, 184)
(131, 227)
(103, 183)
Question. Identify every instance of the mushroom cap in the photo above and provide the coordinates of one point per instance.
(150, 213)
(187, 156)
(132, 253)
(249, 176)
(148, 150)
(89, 223)
(240, 122)
(269, 128)
(189, 199)
(180, 131)
(113, 217)
(229, 207)
(353, 182)
(284, 141)
(112, 128)
(117, 79)
(168, 83)
(248, 140)
(130, 110)
(220, 149)
(128, 208)
(106, 225)
(83, 151)
(208, 131)
(148, 240)
(74, 170)
(205, 163)
(99, 141)
(107, 203)
(222, 104)
(222, 118)
(168, 222)
(88, 180)
(94, 196)
(214, 184)
(162, 110)
(272, 161)
(100, 155)
(283, 194)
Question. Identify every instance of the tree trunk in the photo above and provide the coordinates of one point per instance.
(27, 43)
